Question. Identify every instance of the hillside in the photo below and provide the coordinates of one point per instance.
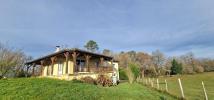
(192, 85)
(43, 89)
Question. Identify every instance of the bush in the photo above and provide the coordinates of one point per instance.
(188, 69)
(77, 81)
(199, 69)
(135, 70)
(104, 80)
(150, 72)
(89, 80)
(21, 73)
(122, 74)
(132, 72)
(130, 75)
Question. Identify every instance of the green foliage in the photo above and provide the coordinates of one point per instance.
(122, 74)
(176, 67)
(132, 72)
(76, 81)
(51, 89)
(91, 46)
(135, 70)
(130, 75)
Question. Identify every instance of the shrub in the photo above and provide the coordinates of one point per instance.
(104, 80)
(122, 74)
(188, 69)
(21, 73)
(199, 69)
(77, 81)
(150, 72)
(135, 70)
(89, 80)
(130, 75)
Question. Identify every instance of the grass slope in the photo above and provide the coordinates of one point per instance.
(192, 85)
(43, 89)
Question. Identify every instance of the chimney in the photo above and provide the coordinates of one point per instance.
(57, 48)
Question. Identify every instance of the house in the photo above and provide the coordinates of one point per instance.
(74, 63)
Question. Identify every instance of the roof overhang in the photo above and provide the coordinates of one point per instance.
(37, 61)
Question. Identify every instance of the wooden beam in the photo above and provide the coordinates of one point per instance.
(41, 69)
(74, 55)
(66, 58)
(47, 70)
(112, 63)
(101, 61)
(33, 69)
(53, 59)
(87, 58)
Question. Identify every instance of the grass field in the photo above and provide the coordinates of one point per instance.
(43, 89)
(192, 85)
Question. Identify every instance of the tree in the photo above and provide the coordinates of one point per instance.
(176, 67)
(91, 46)
(11, 61)
(144, 61)
(207, 64)
(107, 52)
(191, 64)
(158, 60)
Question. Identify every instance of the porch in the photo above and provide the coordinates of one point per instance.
(72, 63)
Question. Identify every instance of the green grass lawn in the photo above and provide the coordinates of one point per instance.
(192, 85)
(43, 89)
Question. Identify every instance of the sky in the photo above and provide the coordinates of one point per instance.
(175, 27)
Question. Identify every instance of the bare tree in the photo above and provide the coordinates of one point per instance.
(11, 61)
(158, 60)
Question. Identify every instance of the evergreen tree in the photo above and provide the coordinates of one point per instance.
(176, 67)
(91, 46)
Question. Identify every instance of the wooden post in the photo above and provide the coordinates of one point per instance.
(42, 65)
(74, 55)
(87, 57)
(47, 70)
(153, 79)
(26, 73)
(53, 59)
(157, 83)
(66, 59)
(166, 86)
(33, 69)
(146, 81)
(112, 63)
(205, 93)
(142, 73)
(101, 61)
(152, 83)
(182, 92)
(101, 68)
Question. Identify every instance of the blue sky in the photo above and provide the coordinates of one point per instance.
(173, 26)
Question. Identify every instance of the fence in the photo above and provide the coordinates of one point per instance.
(162, 85)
